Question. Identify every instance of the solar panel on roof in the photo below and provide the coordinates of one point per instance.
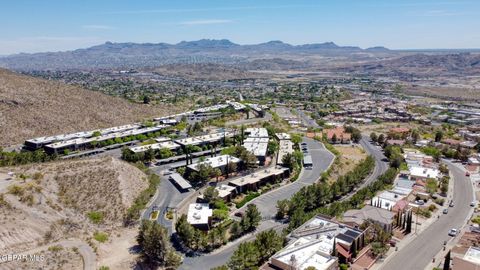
(352, 233)
(345, 238)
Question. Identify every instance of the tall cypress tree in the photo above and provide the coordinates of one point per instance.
(446, 264)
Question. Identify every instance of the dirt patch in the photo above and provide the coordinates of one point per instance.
(54, 258)
(53, 201)
(350, 156)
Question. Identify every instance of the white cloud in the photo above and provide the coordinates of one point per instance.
(204, 22)
(97, 27)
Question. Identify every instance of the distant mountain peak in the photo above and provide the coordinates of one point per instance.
(207, 43)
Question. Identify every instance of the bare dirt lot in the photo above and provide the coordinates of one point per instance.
(349, 158)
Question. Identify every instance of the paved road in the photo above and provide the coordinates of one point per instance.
(307, 120)
(251, 120)
(418, 253)
(221, 257)
(381, 165)
(167, 196)
(321, 157)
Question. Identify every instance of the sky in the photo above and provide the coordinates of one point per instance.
(57, 25)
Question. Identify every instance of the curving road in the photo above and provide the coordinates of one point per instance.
(267, 205)
(322, 159)
(420, 251)
(381, 165)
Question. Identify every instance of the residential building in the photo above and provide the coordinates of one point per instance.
(383, 217)
(470, 261)
(219, 162)
(200, 215)
(258, 179)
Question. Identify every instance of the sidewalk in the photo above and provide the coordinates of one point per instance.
(416, 230)
(441, 254)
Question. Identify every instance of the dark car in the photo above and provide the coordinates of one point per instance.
(239, 214)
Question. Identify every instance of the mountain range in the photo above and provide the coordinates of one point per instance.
(138, 55)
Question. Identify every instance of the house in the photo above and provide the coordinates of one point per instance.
(338, 135)
(470, 261)
(357, 217)
(306, 252)
(349, 240)
(200, 215)
(386, 200)
(423, 173)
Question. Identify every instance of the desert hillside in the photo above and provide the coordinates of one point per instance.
(31, 107)
(44, 204)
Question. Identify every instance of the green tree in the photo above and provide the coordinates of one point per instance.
(268, 243)
(155, 246)
(251, 219)
(244, 257)
(210, 194)
(381, 139)
(438, 136)
(373, 136)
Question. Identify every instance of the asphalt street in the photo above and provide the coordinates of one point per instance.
(420, 251)
(321, 157)
(381, 165)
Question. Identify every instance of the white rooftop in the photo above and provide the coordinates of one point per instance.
(156, 146)
(307, 251)
(472, 255)
(257, 132)
(283, 136)
(424, 172)
(285, 147)
(259, 149)
(257, 176)
(199, 213)
(224, 190)
(216, 162)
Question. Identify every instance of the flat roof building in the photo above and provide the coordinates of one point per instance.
(216, 162)
(200, 215)
(306, 252)
(255, 180)
(155, 146)
(285, 147)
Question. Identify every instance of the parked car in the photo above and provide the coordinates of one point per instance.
(453, 232)
(467, 174)
(472, 204)
(445, 211)
(239, 214)
(420, 202)
(451, 204)
(304, 144)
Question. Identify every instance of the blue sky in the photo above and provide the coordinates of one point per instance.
(52, 25)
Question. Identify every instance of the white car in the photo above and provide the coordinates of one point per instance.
(453, 232)
(472, 204)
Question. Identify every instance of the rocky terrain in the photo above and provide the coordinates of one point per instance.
(31, 107)
(45, 204)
